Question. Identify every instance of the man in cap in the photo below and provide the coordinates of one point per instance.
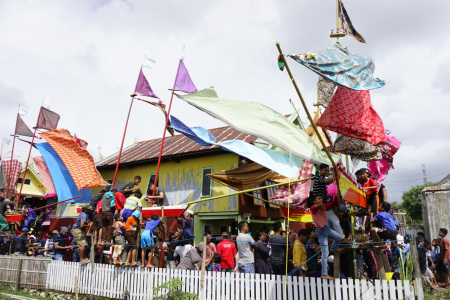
(21, 242)
(60, 244)
(81, 227)
(187, 222)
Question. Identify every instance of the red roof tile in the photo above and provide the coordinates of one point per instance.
(173, 146)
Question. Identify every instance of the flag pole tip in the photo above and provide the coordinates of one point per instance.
(133, 95)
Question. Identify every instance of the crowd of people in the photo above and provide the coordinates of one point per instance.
(114, 219)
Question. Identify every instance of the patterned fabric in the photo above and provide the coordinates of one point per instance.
(350, 113)
(323, 133)
(390, 147)
(347, 24)
(12, 168)
(325, 91)
(299, 191)
(357, 149)
(379, 169)
(340, 66)
(44, 173)
(79, 162)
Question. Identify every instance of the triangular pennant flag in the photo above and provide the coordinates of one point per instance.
(183, 82)
(347, 24)
(143, 88)
(22, 128)
(47, 119)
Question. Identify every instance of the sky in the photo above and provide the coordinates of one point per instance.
(84, 56)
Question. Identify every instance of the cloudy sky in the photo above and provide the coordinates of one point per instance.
(85, 57)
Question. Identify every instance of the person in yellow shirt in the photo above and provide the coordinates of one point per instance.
(299, 252)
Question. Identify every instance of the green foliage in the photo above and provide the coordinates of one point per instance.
(412, 202)
(171, 290)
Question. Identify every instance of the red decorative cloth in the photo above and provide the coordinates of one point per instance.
(350, 113)
(12, 170)
(41, 166)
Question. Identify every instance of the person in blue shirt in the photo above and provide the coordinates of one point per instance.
(147, 239)
(60, 244)
(395, 257)
(187, 222)
(388, 231)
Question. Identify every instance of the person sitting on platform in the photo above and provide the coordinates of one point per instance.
(324, 232)
(147, 240)
(388, 231)
(131, 204)
(131, 187)
(160, 198)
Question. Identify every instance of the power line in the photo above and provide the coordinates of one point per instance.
(417, 178)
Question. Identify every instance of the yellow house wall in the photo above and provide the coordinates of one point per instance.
(32, 188)
(182, 181)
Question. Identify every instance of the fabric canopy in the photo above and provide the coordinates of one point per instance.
(11, 168)
(44, 173)
(350, 113)
(260, 121)
(246, 177)
(338, 65)
(277, 161)
(79, 162)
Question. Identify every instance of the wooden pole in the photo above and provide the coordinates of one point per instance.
(76, 287)
(246, 191)
(123, 139)
(203, 263)
(416, 264)
(92, 255)
(336, 171)
(19, 271)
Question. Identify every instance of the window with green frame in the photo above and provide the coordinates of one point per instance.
(206, 182)
(151, 178)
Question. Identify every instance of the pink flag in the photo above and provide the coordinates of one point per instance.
(143, 88)
(183, 81)
(47, 119)
(22, 128)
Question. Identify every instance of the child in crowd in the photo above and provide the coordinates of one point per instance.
(324, 232)
(120, 254)
(217, 259)
(370, 187)
(426, 272)
(311, 250)
(388, 229)
(147, 240)
(130, 235)
(443, 266)
(395, 250)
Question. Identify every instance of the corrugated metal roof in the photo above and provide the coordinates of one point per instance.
(443, 185)
(173, 146)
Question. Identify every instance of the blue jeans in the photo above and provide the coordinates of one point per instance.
(247, 268)
(333, 222)
(76, 257)
(323, 234)
(210, 267)
(58, 257)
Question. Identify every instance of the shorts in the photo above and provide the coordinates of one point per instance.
(130, 237)
(246, 268)
(428, 274)
(98, 224)
(387, 234)
(444, 268)
(80, 237)
(147, 239)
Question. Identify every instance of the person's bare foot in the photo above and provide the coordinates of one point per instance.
(149, 266)
(327, 277)
(125, 265)
(134, 264)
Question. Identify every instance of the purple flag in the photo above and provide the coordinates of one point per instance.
(183, 82)
(22, 128)
(47, 119)
(143, 88)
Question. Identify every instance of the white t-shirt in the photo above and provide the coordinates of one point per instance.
(182, 250)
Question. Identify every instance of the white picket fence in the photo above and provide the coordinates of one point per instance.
(136, 283)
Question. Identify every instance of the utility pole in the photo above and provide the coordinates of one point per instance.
(424, 172)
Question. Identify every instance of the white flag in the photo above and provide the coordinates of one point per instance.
(148, 62)
(4, 151)
(46, 102)
(22, 111)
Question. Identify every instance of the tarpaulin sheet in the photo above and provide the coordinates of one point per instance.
(79, 162)
(350, 113)
(11, 168)
(277, 161)
(339, 65)
(260, 121)
(297, 215)
(246, 177)
(64, 185)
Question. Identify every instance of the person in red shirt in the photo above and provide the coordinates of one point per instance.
(370, 187)
(120, 200)
(227, 252)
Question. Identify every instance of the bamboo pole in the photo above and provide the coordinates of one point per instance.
(336, 172)
(245, 191)
(123, 139)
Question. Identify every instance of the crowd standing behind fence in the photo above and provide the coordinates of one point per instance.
(115, 221)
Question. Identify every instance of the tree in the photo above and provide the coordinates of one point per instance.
(412, 202)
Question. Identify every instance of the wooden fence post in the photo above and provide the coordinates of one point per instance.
(19, 271)
(417, 273)
(76, 287)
